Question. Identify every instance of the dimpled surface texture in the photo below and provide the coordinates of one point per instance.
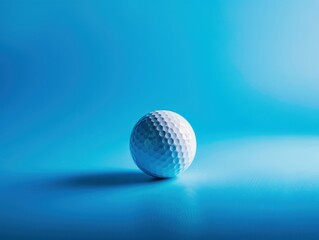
(163, 144)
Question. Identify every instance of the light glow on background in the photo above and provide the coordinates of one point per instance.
(274, 46)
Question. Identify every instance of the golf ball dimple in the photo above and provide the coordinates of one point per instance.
(163, 144)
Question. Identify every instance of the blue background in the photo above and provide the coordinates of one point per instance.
(75, 76)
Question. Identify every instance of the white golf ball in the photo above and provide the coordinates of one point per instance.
(163, 144)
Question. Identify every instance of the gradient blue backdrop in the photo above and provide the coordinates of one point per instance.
(75, 76)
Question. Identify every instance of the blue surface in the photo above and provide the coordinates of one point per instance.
(75, 76)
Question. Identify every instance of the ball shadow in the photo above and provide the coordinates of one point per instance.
(114, 179)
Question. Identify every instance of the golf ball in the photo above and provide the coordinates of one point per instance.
(163, 144)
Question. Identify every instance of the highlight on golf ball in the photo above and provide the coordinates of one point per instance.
(163, 144)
